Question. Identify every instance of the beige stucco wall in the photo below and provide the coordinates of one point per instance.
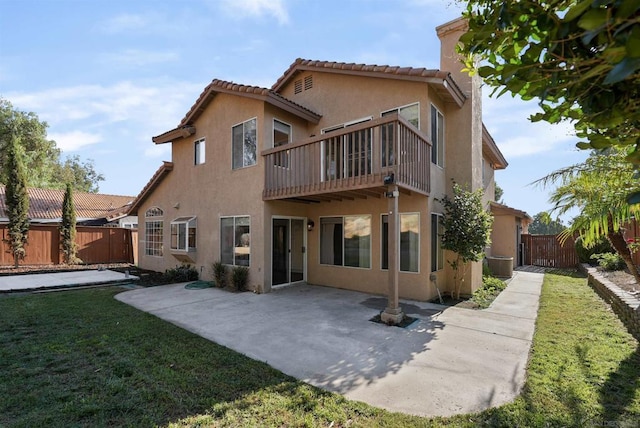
(213, 190)
(504, 236)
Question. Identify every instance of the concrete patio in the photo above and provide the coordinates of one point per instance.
(450, 361)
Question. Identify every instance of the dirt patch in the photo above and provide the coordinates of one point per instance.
(622, 279)
(148, 278)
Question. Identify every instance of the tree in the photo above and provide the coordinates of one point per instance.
(598, 188)
(17, 199)
(543, 224)
(41, 156)
(498, 194)
(68, 228)
(579, 58)
(467, 231)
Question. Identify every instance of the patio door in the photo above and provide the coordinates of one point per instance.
(288, 255)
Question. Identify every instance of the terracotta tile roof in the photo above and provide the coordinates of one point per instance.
(501, 209)
(218, 86)
(373, 70)
(157, 178)
(46, 204)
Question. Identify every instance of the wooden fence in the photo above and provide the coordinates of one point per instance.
(95, 245)
(546, 251)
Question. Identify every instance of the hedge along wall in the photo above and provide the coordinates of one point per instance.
(623, 303)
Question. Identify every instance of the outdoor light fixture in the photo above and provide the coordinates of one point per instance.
(389, 179)
(310, 225)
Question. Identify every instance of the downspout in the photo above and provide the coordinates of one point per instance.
(433, 277)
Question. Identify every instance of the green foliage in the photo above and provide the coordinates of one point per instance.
(543, 224)
(609, 261)
(183, 273)
(68, 228)
(585, 254)
(598, 188)
(499, 193)
(579, 58)
(467, 230)
(16, 199)
(490, 289)
(220, 274)
(41, 156)
(240, 277)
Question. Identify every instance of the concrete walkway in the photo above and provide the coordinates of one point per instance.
(449, 361)
(42, 281)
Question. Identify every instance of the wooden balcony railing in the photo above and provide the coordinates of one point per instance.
(350, 161)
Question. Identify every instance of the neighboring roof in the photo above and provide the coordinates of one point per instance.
(491, 151)
(46, 205)
(442, 80)
(216, 87)
(157, 178)
(500, 209)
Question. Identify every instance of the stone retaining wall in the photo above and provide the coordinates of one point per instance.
(624, 304)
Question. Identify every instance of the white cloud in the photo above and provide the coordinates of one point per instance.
(74, 140)
(257, 8)
(126, 114)
(507, 119)
(138, 58)
(127, 22)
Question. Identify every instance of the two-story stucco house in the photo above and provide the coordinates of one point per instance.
(329, 177)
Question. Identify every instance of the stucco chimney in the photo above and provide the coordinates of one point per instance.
(449, 35)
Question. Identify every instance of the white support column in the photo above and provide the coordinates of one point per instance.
(393, 313)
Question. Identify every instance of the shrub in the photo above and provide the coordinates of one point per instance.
(220, 274)
(609, 261)
(585, 255)
(490, 289)
(240, 277)
(182, 273)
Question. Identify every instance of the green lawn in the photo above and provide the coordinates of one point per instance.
(81, 358)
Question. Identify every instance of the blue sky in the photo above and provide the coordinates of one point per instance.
(108, 75)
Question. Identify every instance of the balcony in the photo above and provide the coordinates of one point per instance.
(350, 163)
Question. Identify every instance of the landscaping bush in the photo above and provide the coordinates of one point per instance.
(609, 261)
(490, 289)
(585, 255)
(240, 277)
(220, 274)
(182, 273)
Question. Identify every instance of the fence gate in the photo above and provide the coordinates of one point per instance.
(546, 251)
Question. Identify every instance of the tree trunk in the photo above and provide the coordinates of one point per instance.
(620, 245)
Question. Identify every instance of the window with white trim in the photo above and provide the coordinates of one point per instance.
(153, 232)
(346, 241)
(437, 253)
(348, 155)
(411, 112)
(235, 240)
(183, 234)
(437, 136)
(198, 152)
(244, 144)
(281, 136)
(409, 242)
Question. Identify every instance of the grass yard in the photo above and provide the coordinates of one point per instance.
(81, 358)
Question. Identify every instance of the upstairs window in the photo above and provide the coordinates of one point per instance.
(244, 143)
(183, 234)
(437, 137)
(410, 112)
(198, 152)
(281, 136)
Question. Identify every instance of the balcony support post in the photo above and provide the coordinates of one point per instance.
(393, 313)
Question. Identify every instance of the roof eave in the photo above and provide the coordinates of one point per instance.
(157, 178)
(491, 150)
(174, 134)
